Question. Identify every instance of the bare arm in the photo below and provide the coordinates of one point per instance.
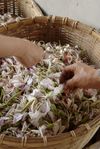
(27, 52)
(9, 46)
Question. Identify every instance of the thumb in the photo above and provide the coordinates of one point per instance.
(71, 84)
(67, 73)
(22, 61)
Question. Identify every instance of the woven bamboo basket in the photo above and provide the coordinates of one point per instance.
(23, 8)
(65, 30)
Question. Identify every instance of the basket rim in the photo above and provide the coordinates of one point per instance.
(73, 134)
(55, 21)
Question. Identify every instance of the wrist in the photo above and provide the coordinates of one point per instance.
(96, 79)
(11, 46)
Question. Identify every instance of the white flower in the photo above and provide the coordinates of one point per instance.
(55, 60)
(61, 52)
(3, 120)
(47, 84)
(45, 107)
(67, 46)
(35, 117)
(94, 98)
(17, 117)
(29, 80)
(11, 110)
(58, 90)
(55, 76)
(30, 97)
(36, 93)
(41, 112)
(42, 130)
(48, 49)
(24, 127)
(10, 61)
(4, 73)
(17, 80)
(53, 94)
(47, 62)
(36, 132)
(23, 102)
(65, 49)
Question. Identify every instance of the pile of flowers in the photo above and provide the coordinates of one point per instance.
(32, 101)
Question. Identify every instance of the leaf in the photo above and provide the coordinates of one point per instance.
(50, 125)
(54, 109)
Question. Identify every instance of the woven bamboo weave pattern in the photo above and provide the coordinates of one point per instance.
(23, 8)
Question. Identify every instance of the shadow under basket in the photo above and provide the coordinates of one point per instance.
(63, 30)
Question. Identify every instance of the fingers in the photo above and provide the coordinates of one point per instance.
(37, 53)
(22, 61)
(66, 76)
(25, 62)
(70, 68)
(67, 73)
(71, 84)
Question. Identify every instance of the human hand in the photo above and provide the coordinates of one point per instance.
(26, 52)
(29, 54)
(80, 75)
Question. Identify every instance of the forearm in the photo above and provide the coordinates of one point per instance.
(9, 46)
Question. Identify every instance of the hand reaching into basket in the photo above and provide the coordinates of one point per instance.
(26, 52)
(80, 75)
